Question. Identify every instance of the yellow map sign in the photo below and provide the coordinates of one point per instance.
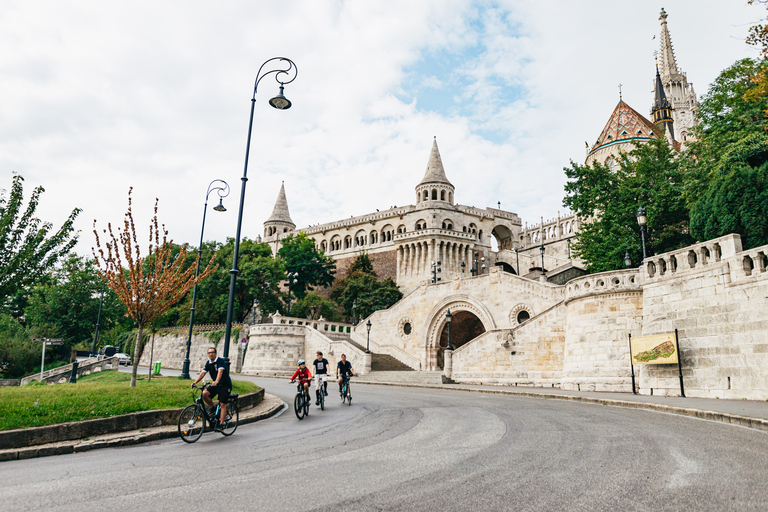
(656, 349)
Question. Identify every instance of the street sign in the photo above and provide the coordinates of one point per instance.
(244, 341)
(50, 341)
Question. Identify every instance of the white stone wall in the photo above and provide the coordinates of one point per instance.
(602, 310)
(721, 314)
(274, 349)
(171, 348)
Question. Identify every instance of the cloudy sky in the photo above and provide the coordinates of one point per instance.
(98, 96)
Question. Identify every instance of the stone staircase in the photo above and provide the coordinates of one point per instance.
(387, 363)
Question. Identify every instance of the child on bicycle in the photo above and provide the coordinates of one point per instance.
(303, 375)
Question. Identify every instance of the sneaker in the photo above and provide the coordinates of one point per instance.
(325, 393)
(317, 403)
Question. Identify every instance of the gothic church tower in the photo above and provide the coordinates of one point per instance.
(676, 88)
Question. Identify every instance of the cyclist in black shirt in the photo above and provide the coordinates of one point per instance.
(343, 369)
(321, 374)
(222, 385)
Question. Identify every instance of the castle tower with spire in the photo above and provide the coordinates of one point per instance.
(662, 111)
(435, 185)
(676, 88)
(279, 224)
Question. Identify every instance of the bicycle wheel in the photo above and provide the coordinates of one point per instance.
(233, 416)
(343, 392)
(191, 423)
(307, 401)
(349, 395)
(322, 400)
(298, 406)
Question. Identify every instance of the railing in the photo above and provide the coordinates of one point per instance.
(321, 325)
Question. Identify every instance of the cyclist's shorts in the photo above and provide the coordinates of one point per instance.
(222, 391)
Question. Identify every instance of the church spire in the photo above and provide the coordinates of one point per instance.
(435, 172)
(435, 185)
(280, 213)
(662, 108)
(668, 61)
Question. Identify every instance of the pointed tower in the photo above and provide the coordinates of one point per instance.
(434, 186)
(678, 91)
(280, 220)
(662, 111)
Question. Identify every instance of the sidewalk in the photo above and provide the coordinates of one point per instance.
(747, 413)
(267, 408)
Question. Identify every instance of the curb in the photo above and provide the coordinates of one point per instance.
(723, 417)
(128, 439)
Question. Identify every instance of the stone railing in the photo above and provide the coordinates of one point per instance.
(354, 221)
(410, 235)
(615, 281)
(750, 263)
(691, 259)
(197, 328)
(62, 373)
(4, 383)
(324, 326)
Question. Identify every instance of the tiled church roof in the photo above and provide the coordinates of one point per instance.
(625, 124)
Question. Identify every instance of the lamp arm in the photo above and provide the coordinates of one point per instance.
(291, 70)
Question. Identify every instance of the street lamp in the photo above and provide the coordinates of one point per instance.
(463, 266)
(368, 341)
(477, 268)
(641, 219)
(292, 278)
(222, 188)
(98, 320)
(541, 249)
(627, 260)
(517, 258)
(280, 102)
(448, 318)
(354, 312)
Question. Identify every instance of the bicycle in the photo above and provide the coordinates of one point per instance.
(193, 418)
(301, 402)
(346, 393)
(320, 380)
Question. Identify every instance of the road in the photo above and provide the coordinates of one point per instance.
(418, 449)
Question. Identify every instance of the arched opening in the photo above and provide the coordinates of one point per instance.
(502, 236)
(464, 328)
(506, 267)
(434, 194)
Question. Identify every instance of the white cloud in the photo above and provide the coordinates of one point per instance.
(99, 96)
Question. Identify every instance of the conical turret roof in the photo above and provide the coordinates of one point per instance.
(625, 124)
(280, 213)
(435, 172)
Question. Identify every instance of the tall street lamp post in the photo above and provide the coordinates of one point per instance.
(517, 258)
(368, 340)
(641, 219)
(448, 318)
(292, 278)
(98, 320)
(222, 188)
(541, 249)
(354, 312)
(284, 74)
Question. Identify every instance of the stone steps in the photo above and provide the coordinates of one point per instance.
(407, 377)
(387, 363)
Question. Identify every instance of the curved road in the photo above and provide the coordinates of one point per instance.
(417, 449)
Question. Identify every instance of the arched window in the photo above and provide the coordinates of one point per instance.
(442, 195)
(434, 194)
(450, 197)
(426, 195)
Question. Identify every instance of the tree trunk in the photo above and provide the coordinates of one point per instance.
(136, 355)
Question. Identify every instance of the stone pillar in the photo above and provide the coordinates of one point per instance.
(398, 272)
(448, 363)
(366, 364)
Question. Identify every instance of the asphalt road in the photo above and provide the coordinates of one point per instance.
(417, 449)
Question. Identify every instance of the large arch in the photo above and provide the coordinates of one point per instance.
(503, 237)
(472, 316)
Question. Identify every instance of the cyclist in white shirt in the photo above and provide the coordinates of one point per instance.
(321, 376)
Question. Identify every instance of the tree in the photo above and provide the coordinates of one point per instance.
(18, 355)
(360, 285)
(313, 306)
(650, 176)
(149, 285)
(314, 267)
(27, 247)
(67, 304)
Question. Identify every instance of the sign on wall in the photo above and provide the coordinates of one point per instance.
(656, 349)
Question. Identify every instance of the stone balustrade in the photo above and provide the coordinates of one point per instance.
(690, 259)
(332, 328)
(616, 281)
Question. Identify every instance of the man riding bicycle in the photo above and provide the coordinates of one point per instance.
(343, 370)
(222, 385)
(321, 374)
(304, 376)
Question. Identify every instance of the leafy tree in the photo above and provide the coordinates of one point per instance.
(18, 354)
(146, 290)
(28, 249)
(66, 305)
(314, 306)
(650, 176)
(314, 267)
(259, 278)
(361, 285)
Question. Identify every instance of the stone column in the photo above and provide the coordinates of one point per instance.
(448, 363)
(398, 271)
(366, 364)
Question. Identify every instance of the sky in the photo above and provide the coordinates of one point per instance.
(98, 97)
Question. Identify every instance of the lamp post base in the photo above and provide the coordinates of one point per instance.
(185, 370)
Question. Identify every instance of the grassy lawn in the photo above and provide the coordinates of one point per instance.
(98, 395)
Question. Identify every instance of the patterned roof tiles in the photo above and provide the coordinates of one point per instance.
(625, 124)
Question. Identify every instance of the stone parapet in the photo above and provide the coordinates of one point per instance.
(617, 281)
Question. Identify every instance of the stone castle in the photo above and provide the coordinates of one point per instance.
(523, 311)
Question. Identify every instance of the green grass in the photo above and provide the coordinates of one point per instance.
(99, 395)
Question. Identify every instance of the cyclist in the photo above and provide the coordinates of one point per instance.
(222, 384)
(321, 374)
(303, 374)
(343, 369)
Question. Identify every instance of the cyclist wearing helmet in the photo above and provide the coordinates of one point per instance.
(343, 369)
(303, 375)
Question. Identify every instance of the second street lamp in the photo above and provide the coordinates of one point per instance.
(368, 340)
(283, 75)
(354, 312)
(642, 221)
(222, 188)
(448, 318)
(292, 278)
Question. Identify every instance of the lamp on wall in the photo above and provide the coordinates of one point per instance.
(368, 340)
(627, 260)
(448, 318)
(642, 220)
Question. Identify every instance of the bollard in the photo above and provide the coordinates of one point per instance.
(73, 376)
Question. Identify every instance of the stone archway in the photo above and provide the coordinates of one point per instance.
(465, 326)
(470, 318)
